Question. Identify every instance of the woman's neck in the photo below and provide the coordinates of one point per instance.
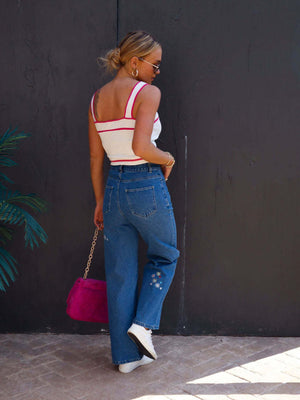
(123, 73)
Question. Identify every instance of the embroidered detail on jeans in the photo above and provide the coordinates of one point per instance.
(156, 282)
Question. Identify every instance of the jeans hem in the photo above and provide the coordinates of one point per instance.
(145, 325)
(127, 361)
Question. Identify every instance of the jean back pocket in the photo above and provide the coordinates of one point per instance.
(141, 201)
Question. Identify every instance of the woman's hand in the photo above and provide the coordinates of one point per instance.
(166, 171)
(98, 217)
(167, 167)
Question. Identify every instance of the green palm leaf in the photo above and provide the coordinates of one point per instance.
(31, 200)
(5, 234)
(7, 267)
(12, 212)
(9, 142)
(5, 178)
(6, 162)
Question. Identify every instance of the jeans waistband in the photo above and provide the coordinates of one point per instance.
(135, 168)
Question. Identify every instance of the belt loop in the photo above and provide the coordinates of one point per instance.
(150, 168)
(120, 171)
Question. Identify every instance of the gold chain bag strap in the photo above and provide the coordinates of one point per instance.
(87, 300)
(88, 265)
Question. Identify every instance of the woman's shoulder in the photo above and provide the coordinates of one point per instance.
(149, 97)
(150, 91)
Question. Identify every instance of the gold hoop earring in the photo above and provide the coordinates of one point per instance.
(135, 73)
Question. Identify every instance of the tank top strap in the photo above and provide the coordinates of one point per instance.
(92, 107)
(132, 97)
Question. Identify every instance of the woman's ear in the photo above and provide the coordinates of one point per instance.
(134, 62)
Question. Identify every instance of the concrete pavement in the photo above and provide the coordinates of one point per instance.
(78, 367)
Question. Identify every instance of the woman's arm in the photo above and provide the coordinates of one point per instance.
(147, 105)
(96, 165)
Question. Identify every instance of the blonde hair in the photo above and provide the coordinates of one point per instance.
(137, 43)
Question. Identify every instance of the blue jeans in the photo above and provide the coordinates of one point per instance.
(136, 203)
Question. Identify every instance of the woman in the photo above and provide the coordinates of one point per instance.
(123, 122)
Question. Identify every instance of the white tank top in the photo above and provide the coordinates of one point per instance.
(117, 135)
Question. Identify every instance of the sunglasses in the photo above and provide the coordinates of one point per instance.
(156, 68)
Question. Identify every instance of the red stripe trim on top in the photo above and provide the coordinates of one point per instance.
(136, 159)
(135, 99)
(113, 120)
(129, 98)
(92, 107)
(156, 119)
(116, 129)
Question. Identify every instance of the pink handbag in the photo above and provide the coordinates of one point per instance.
(87, 300)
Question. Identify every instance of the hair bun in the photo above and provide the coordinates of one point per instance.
(135, 44)
(111, 60)
(115, 55)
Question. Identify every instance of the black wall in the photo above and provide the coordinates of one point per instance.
(230, 111)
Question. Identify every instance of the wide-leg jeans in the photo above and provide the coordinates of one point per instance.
(136, 203)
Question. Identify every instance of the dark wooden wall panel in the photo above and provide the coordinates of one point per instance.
(230, 112)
